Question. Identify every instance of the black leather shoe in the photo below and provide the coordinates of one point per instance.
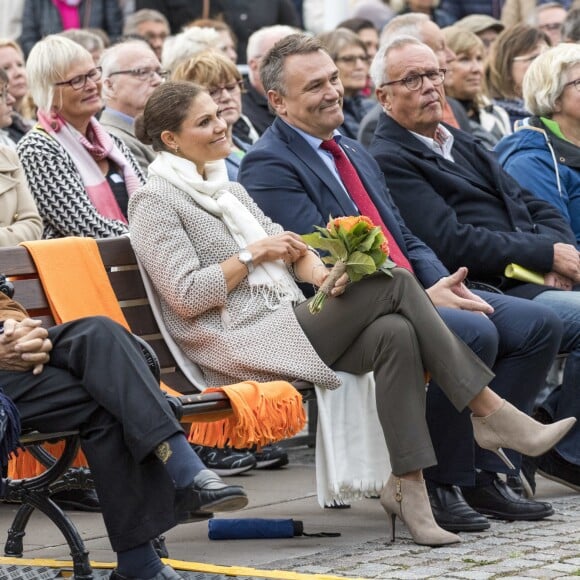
(553, 466)
(208, 493)
(451, 511)
(81, 500)
(166, 573)
(498, 500)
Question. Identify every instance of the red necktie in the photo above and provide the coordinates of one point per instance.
(361, 199)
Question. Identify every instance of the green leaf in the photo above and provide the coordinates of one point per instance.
(378, 257)
(311, 239)
(370, 240)
(360, 263)
(334, 247)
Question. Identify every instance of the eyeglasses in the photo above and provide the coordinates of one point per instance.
(142, 74)
(79, 82)
(551, 26)
(576, 84)
(352, 58)
(415, 82)
(231, 88)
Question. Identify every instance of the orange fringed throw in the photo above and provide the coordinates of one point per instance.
(262, 413)
(77, 285)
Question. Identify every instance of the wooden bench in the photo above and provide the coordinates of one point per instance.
(34, 493)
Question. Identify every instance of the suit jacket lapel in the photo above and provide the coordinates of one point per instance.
(300, 149)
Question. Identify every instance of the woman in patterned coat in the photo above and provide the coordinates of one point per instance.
(80, 176)
(224, 274)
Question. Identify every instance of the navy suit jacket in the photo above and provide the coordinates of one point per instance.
(294, 187)
(471, 212)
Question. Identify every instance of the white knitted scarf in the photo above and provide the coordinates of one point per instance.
(269, 279)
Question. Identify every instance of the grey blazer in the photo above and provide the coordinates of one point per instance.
(121, 128)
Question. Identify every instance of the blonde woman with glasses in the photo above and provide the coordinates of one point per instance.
(80, 176)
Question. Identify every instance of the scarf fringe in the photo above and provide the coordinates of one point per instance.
(263, 413)
(274, 296)
(348, 491)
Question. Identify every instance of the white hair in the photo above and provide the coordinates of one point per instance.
(545, 79)
(48, 63)
(378, 68)
(109, 60)
(187, 44)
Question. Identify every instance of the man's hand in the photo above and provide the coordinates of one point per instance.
(24, 345)
(558, 281)
(567, 261)
(453, 293)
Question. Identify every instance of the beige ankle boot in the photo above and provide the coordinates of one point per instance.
(508, 427)
(409, 500)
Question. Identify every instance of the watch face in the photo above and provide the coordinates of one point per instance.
(245, 257)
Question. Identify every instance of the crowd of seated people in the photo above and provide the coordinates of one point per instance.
(117, 121)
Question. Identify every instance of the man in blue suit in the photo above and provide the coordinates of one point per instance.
(297, 184)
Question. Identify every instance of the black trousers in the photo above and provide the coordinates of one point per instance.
(98, 382)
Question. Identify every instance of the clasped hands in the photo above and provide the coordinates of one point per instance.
(24, 345)
(291, 249)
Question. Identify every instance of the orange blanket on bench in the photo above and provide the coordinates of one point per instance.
(76, 285)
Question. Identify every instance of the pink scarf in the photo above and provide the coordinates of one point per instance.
(85, 151)
(69, 13)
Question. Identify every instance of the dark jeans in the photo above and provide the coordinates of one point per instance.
(97, 381)
(565, 401)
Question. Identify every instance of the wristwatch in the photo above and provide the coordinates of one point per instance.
(245, 257)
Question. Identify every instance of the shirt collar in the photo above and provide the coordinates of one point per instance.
(314, 142)
(442, 144)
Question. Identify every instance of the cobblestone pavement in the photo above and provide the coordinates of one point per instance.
(547, 549)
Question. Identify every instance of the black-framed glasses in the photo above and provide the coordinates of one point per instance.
(79, 82)
(576, 84)
(143, 74)
(231, 88)
(415, 82)
(352, 58)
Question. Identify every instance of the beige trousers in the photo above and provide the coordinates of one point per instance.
(389, 326)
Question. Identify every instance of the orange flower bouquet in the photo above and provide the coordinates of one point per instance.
(353, 245)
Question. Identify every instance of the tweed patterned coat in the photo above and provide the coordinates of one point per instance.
(231, 336)
(57, 188)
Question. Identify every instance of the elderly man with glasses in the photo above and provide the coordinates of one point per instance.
(456, 197)
(131, 71)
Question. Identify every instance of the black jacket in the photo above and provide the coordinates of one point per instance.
(470, 212)
(180, 12)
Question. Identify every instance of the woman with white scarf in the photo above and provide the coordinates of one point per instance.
(80, 176)
(224, 275)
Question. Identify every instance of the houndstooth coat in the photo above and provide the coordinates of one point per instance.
(231, 336)
(58, 190)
